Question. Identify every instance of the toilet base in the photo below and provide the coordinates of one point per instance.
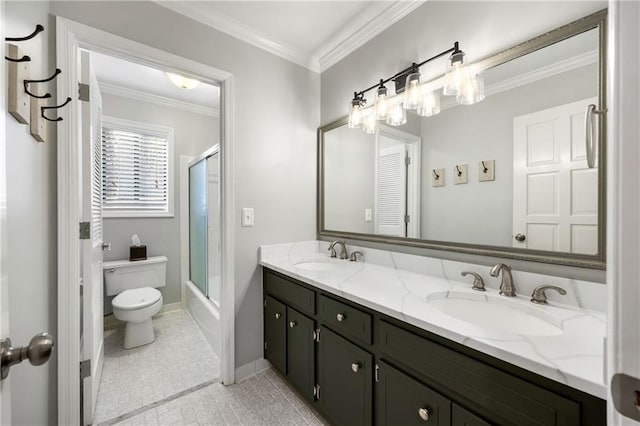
(138, 334)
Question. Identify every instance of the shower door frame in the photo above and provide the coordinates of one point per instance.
(72, 36)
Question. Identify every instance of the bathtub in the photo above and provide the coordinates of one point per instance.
(205, 313)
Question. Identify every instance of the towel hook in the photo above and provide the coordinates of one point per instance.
(38, 30)
(46, 95)
(459, 171)
(484, 168)
(437, 176)
(42, 109)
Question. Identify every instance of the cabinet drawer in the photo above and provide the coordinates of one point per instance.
(290, 293)
(345, 319)
(507, 399)
(402, 400)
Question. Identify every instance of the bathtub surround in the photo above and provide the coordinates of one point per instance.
(404, 286)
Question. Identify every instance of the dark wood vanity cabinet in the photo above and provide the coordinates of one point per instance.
(360, 367)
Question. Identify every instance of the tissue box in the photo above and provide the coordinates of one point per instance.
(137, 253)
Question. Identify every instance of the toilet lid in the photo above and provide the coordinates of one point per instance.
(136, 298)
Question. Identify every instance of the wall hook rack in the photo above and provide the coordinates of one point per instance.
(484, 168)
(459, 171)
(38, 30)
(42, 110)
(46, 95)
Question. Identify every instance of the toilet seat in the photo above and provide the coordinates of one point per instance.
(137, 298)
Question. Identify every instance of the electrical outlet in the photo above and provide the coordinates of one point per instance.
(487, 170)
(367, 215)
(459, 174)
(437, 177)
(247, 216)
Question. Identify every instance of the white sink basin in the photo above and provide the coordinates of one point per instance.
(496, 313)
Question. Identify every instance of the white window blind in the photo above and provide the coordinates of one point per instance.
(135, 169)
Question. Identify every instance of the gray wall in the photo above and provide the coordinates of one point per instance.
(192, 135)
(31, 220)
(482, 28)
(486, 134)
(276, 117)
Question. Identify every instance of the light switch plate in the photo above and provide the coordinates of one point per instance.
(460, 174)
(487, 170)
(247, 216)
(367, 215)
(18, 100)
(437, 177)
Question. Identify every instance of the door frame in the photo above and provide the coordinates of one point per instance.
(71, 36)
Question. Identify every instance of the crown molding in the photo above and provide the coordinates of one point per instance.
(113, 89)
(372, 21)
(228, 25)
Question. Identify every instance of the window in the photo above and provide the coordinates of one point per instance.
(137, 169)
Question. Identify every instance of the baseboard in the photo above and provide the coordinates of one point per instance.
(112, 322)
(252, 368)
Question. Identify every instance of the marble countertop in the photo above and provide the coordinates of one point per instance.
(410, 288)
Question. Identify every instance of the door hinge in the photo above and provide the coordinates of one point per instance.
(265, 303)
(316, 335)
(85, 230)
(407, 218)
(407, 160)
(85, 369)
(265, 346)
(316, 391)
(377, 374)
(83, 92)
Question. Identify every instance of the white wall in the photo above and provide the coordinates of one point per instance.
(193, 134)
(482, 28)
(276, 117)
(31, 217)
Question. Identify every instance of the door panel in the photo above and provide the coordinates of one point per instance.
(345, 379)
(301, 359)
(275, 334)
(462, 417)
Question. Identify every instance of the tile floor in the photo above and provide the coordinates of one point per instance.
(179, 359)
(174, 382)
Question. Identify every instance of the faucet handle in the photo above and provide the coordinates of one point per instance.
(354, 256)
(539, 296)
(478, 283)
(332, 251)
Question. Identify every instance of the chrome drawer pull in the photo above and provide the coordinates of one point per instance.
(424, 414)
(278, 315)
(340, 317)
(355, 367)
(292, 324)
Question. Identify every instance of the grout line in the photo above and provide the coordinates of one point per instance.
(156, 404)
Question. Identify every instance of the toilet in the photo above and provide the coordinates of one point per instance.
(137, 299)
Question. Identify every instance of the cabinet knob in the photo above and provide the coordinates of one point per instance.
(520, 237)
(340, 317)
(424, 414)
(278, 315)
(355, 367)
(292, 324)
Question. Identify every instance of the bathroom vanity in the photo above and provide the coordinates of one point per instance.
(376, 342)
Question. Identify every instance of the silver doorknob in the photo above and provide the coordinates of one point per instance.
(340, 317)
(38, 352)
(106, 246)
(278, 315)
(424, 414)
(520, 237)
(355, 367)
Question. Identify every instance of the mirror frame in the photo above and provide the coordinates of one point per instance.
(597, 20)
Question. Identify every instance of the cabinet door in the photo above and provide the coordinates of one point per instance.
(301, 359)
(275, 334)
(401, 400)
(462, 417)
(345, 376)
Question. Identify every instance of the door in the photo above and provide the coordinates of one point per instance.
(345, 378)
(555, 194)
(275, 333)
(301, 360)
(462, 417)
(391, 191)
(91, 340)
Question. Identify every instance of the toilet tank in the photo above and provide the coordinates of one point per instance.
(121, 275)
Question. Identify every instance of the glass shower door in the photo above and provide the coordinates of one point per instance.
(214, 229)
(198, 225)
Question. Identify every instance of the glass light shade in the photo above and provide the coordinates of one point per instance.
(430, 104)
(472, 91)
(397, 115)
(183, 82)
(355, 116)
(369, 123)
(412, 91)
(382, 104)
(455, 78)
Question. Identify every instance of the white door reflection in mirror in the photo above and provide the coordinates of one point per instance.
(555, 193)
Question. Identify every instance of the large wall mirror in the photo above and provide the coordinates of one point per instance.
(505, 177)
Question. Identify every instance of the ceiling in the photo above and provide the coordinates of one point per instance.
(314, 34)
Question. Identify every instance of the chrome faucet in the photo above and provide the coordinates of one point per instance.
(343, 249)
(538, 296)
(506, 286)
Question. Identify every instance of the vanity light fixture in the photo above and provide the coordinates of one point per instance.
(460, 81)
(182, 82)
